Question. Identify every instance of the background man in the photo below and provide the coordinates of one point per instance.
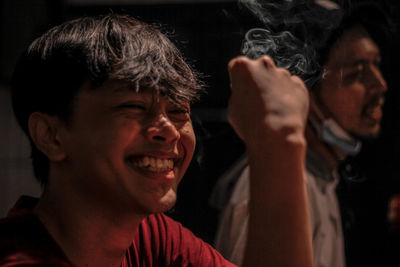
(346, 106)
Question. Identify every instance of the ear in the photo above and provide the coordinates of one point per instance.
(45, 132)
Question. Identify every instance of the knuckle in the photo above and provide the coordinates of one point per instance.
(238, 61)
(284, 72)
(298, 81)
(267, 61)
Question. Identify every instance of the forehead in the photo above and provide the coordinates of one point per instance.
(355, 44)
(121, 88)
(115, 89)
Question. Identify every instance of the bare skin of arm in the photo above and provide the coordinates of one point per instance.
(268, 109)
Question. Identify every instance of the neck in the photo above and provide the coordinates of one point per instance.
(330, 154)
(89, 235)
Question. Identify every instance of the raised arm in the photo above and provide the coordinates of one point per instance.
(268, 109)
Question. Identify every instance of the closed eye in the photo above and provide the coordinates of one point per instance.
(133, 106)
(180, 111)
(130, 109)
(354, 74)
(179, 114)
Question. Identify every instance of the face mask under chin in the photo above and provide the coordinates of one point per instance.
(332, 133)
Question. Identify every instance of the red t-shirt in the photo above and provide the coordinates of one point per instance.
(159, 241)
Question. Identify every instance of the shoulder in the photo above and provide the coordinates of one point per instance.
(25, 242)
(17, 230)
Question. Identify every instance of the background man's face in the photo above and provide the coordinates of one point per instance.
(128, 149)
(351, 90)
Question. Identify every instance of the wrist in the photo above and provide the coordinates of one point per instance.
(276, 138)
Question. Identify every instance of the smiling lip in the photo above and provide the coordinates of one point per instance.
(154, 167)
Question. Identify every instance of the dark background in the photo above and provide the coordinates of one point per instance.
(209, 34)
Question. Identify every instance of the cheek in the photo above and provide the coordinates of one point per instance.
(108, 141)
(121, 133)
(352, 99)
(188, 140)
(344, 101)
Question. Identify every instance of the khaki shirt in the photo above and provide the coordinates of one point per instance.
(328, 244)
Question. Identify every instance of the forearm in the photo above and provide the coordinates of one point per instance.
(268, 109)
(279, 228)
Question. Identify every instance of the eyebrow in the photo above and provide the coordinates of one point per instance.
(358, 62)
(362, 61)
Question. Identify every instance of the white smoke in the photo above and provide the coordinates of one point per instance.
(293, 31)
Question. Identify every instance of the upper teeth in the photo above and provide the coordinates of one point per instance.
(154, 164)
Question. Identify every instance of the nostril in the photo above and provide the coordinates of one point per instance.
(158, 137)
(162, 130)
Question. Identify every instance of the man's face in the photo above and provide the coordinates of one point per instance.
(127, 148)
(352, 88)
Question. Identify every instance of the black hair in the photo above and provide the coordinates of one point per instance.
(95, 49)
(299, 34)
(368, 14)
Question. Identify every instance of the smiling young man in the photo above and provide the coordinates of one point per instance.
(105, 103)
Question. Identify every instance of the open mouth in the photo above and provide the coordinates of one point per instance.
(374, 111)
(153, 164)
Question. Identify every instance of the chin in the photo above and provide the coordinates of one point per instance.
(166, 207)
(158, 208)
(167, 202)
(369, 134)
(155, 205)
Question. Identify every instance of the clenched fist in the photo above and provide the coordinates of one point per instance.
(267, 102)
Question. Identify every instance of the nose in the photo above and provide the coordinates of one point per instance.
(375, 80)
(162, 129)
